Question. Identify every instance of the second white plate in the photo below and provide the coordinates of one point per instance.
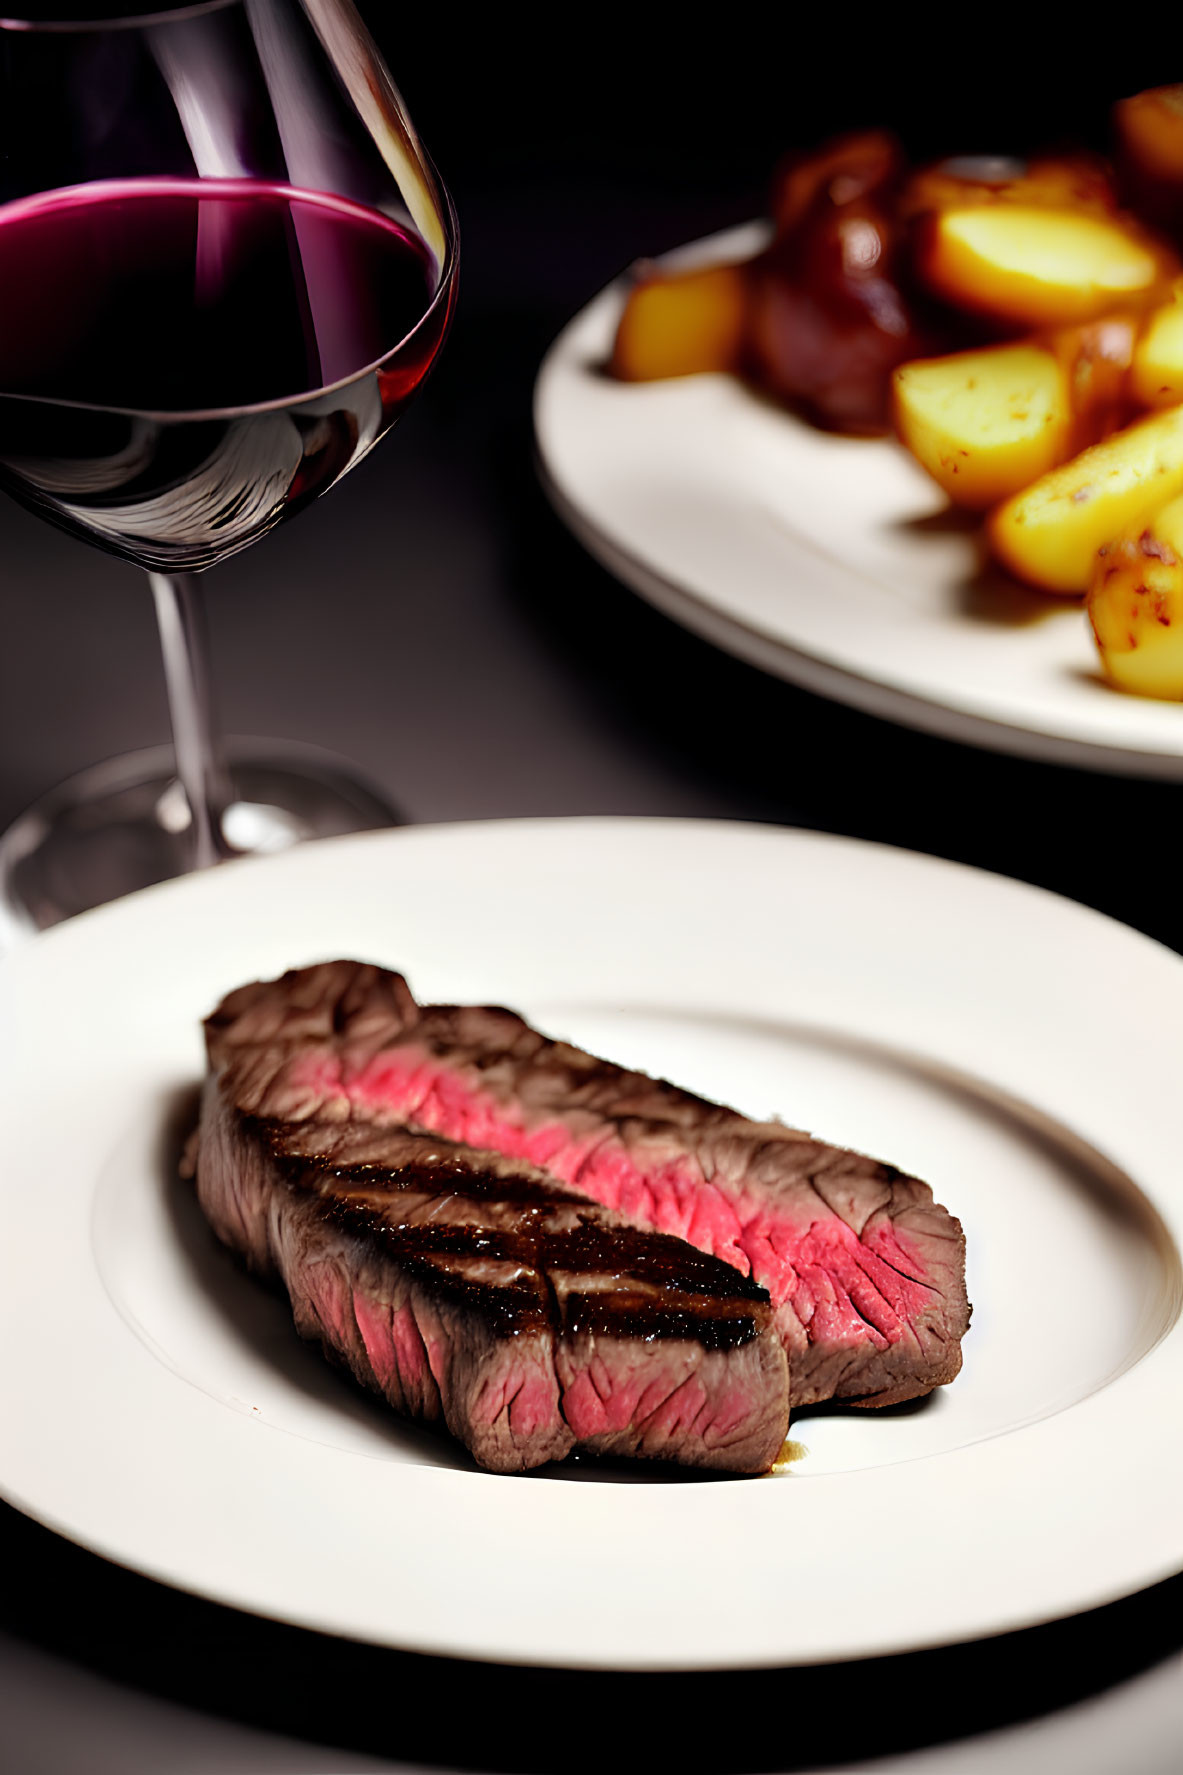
(830, 561)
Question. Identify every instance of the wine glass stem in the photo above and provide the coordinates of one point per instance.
(202, 774)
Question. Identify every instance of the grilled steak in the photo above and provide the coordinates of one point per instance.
(470, 1287)
(864, 1270)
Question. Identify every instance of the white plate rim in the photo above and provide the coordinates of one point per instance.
(707, 606)
(926, 902)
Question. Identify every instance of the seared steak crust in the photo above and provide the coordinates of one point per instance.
(865, 1271)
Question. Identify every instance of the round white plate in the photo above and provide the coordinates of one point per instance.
(831, 561)
(1020, 1052)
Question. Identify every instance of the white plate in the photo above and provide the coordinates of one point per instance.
(1020, 1052)
(827, 560)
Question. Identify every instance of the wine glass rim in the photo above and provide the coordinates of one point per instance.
(159, 15)
(283, 403)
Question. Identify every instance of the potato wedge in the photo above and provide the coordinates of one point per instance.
(1156, 373)
(985, 423)
(1135, 604)
(1028, 266)
(1049, 533)
(681, 323)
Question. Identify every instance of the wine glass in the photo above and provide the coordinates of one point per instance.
(226, 264)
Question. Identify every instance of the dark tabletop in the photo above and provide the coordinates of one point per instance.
(433, 622)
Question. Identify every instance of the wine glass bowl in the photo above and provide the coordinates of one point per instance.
(226, 265)
(117, 444)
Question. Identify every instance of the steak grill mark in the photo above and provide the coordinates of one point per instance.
(466, 1287)
(615, 1279)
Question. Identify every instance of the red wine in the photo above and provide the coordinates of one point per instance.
(183, 363)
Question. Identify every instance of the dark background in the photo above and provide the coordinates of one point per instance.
(434, 623)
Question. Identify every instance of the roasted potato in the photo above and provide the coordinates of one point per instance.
(1156, 372)
(1049, 533)
(1024, 266)
(985, 423)
(681, 323)
(1135, 604)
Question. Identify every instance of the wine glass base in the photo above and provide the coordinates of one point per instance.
(124, 824)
